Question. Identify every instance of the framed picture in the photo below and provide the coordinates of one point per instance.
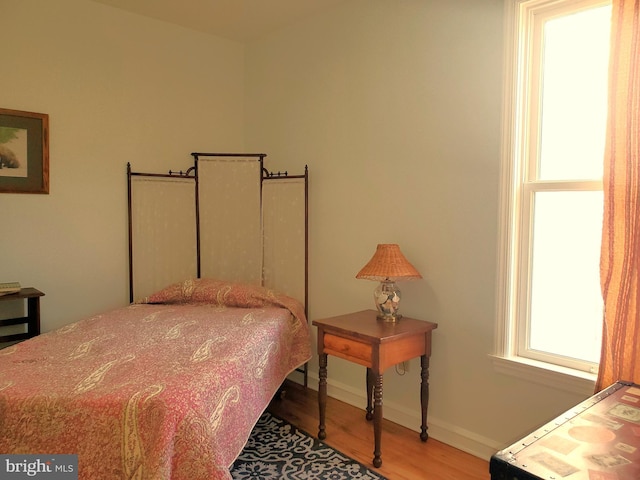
(24, 152)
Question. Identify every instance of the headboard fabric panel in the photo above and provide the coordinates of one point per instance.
(283, 216)
(163, 240)
(230, 231)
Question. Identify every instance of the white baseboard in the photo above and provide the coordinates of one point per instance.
(441, 430)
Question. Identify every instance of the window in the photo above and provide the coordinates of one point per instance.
(550, 305)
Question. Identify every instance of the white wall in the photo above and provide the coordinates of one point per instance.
(118, 88)
(396, 107)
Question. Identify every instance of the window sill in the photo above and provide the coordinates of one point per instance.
(561, 378)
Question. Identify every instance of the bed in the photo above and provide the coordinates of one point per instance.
(166, 388)
(171, 385)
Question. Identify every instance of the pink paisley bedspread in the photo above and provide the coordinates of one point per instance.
(167, 389)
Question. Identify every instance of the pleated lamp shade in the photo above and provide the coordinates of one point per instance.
(388, 263)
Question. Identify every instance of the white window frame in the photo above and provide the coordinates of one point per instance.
(516, 197)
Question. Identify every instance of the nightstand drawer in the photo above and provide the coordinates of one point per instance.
(348, 349)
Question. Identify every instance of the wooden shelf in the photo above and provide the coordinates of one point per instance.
(31, 320)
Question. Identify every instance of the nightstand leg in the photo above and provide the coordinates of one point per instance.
(424, 395)
(322, 394)
(377, 419)
(370, 381)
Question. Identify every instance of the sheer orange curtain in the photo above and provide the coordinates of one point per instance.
(620, 260)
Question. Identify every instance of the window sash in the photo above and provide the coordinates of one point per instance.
(523, 309)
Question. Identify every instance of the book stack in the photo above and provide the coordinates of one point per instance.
(9, 288)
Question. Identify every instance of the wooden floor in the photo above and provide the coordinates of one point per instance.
(404, 456)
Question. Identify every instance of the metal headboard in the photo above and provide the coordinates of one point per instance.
(191, 176)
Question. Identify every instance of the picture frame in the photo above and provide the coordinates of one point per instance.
(24, 152)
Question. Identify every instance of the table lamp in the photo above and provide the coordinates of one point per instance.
(386, 266)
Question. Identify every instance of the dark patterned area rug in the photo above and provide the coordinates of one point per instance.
(278, 450)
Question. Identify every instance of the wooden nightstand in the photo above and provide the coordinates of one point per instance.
(32, 320)
(361, 338)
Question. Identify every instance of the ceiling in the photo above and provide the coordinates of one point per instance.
(239, 20)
